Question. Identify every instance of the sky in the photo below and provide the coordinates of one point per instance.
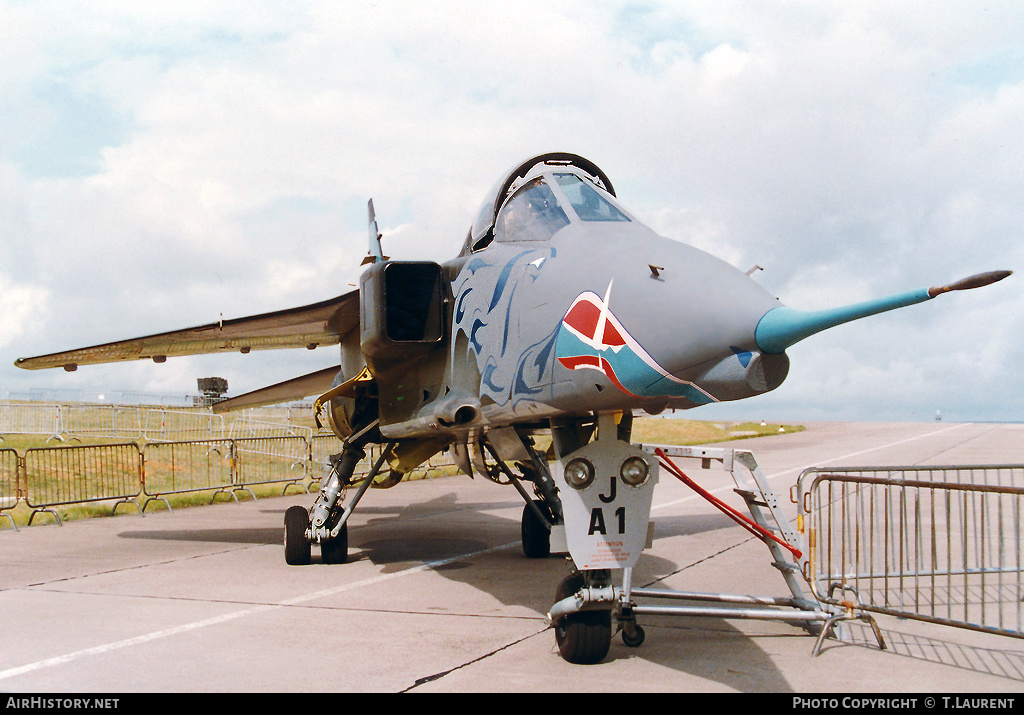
(166, 164)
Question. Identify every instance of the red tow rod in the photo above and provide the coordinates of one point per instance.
(755, 529)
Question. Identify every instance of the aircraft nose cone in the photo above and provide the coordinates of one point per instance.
(657, 314)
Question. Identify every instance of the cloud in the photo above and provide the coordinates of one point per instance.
(20, 306)
(163, 165)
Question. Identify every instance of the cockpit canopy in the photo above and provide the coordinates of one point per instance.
(542, 196)
(533, 214)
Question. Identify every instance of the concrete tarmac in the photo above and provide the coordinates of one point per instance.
(438, 597)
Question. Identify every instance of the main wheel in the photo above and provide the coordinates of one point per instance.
(583, 638)
(296, 545)
(335, 551)
(536, 534)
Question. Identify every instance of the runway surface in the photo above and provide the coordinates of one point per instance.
(438, 596)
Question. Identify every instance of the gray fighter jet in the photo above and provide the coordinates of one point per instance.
(563, 314)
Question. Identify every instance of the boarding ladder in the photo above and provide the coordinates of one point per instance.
(767, 522)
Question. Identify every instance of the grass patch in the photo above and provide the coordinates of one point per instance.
(685, 433)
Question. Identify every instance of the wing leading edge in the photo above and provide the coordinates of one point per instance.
(315, 383)
(324, 323)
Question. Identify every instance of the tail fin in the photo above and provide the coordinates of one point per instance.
(376, 254)
(782, 327)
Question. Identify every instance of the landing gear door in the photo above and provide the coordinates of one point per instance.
(606, 521)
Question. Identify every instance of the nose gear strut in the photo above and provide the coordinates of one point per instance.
(325, 523)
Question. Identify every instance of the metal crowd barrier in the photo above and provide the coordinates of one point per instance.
(180, 467)
(936, 544)
(101, 421)
(243, 427)
(23, 418)
(48, 477)
(59, 476)
(172, 425)
(322, 446)
(263, 460)
(10, 483)
(58, 421)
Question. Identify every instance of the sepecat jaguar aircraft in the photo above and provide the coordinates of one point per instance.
(562, 314)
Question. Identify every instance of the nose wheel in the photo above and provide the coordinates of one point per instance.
(584, 637)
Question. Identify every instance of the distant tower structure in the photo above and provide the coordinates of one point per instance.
(212, 389)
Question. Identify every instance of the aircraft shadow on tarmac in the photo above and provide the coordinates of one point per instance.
(400, 535)
(395, 536)
(221, 536)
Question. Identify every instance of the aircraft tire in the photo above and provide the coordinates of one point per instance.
(536, 536)
(583, 638)
(335, 551)
(296, 545)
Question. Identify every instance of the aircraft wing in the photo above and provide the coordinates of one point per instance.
(315, 383)
(324, 323)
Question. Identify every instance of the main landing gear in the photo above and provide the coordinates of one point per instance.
(326, 522)
(543, 510)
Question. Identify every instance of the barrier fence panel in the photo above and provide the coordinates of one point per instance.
(25, 418)
(136, 422)
(102, 421)
(439, 464)
(242, 428)
(266, 460)
(175, 425)
(939, 544)
(88, 420)
(57, 476)
(322, 446)
(193, 466)
(47, 477)
(128, 423)
(10, 482)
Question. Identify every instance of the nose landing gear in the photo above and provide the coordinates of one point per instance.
(607, 488)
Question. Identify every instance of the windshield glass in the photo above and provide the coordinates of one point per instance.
(533, 214)
(588, 204)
